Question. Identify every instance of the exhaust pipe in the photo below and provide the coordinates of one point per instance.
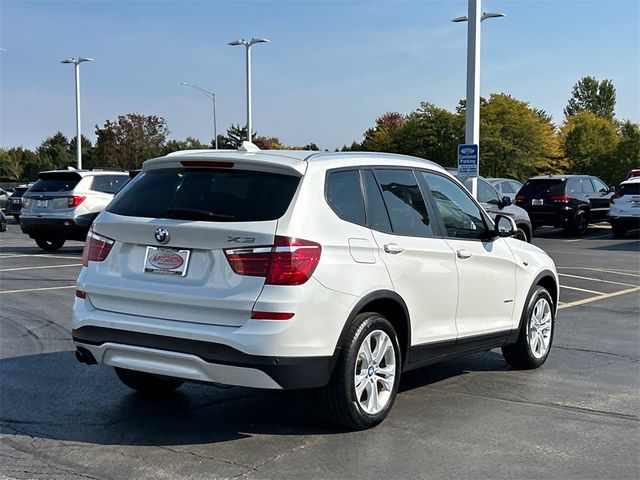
(85, 356)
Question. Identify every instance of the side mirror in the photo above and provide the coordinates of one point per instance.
(506, 201)
(505, 226)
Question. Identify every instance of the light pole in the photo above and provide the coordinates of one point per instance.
(76, 62)
(248, 46)
(472, 129)
(212, 96)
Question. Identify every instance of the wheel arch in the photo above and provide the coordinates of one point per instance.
(546, 279)
(528, 230)
(393, 307)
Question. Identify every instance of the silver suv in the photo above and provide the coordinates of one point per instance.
(62, 204)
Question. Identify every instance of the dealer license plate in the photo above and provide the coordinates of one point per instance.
(166, 261)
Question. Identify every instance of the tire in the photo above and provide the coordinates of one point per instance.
(521, 234)
(147, 383)
(50, 244)
(618, 230)
(580, 223)
(534, 343)
(358, 395)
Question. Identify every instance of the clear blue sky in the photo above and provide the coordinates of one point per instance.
(331, 68)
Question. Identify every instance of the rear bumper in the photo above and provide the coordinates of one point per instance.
(556, 218)
(202, 361)
(626, 221)
(67, 228)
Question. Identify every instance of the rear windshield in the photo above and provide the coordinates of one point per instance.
(19, 191)
(206, 194)
(542, 187)
(629, 189)
(56, 182)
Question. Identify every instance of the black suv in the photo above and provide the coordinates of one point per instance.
(14, 203)
(569, 201)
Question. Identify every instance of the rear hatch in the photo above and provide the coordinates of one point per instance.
(626, 200)
(171, 227)
(540, 195)
(52, 192)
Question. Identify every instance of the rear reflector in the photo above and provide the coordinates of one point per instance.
(289, 261)
(75, 200)
(271, 315)
(81, 294)
(96, 248)
(205, 164)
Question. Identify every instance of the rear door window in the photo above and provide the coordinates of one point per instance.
(600, 186)
(377, 216)
(207, 194)
(344, 196)
(56, 182)
(405, 204)
(108, 183)
(587, 186)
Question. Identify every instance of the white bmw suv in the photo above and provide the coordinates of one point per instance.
(300, 270)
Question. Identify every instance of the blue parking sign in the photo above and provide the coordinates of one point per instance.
(467, 161)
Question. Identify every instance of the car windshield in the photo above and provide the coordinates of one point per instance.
(56, 182)
(207, 194)
(543, 187)
(629, 189)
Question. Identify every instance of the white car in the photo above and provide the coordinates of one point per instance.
(298, 269)
(624, 210)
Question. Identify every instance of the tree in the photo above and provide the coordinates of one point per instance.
(590, 143)
(311, 146)
(628, 150)
(188, 143)
(516, 140)
(55, 151)
(235, 136)
(88, 160)
(381, 138)
(432, 133)
(268, 143)
(130, 140)
(30, 163)
(592, 96)
(10, 166)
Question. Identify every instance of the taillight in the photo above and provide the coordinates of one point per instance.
(75, 200)
(561, 198)
(81, 294)
(96, 248)
(614, 196)
(519, 197)
(289, 261)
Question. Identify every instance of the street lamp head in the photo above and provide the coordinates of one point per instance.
(460, 19)
(68, 60)
(185, 83)
(491, 15)
(85, 59)
(237, 42)
(258, 40)
(77, 61)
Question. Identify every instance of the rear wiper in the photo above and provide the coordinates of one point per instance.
(196, 214)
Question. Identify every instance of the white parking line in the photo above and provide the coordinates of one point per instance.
(41, 255)
(620, 272)
(599, 297)
(36, 289)
(40, 267)
(582, 290)
(587, 238)
(596, 280)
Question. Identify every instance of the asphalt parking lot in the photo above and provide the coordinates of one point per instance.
(577, 417)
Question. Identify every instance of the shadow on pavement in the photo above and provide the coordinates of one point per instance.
(53, 396)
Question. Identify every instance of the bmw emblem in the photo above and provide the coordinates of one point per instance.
(162, 236)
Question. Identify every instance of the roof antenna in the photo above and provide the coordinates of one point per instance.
(248, 147)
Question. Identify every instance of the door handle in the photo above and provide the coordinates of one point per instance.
(393, 248)
(464, 254)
